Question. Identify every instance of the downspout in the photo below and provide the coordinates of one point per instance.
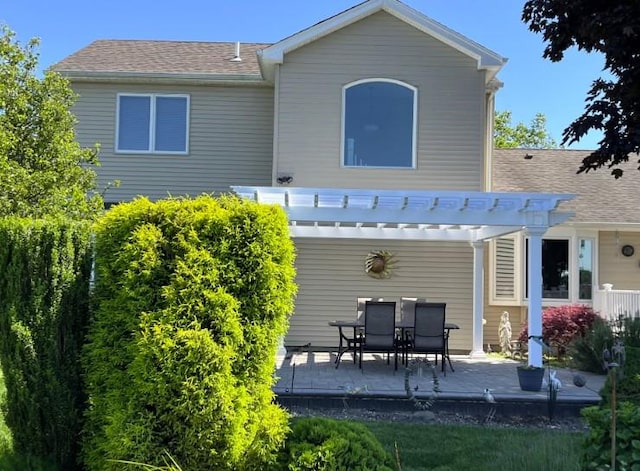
(276, 127)
(490, 103)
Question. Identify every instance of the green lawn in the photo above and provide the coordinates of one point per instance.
(474, 448)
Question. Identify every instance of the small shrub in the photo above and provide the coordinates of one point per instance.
(597, 445)
(586, 350)
(629, 328)
(562, 324)
(326, 444)
(628, 381)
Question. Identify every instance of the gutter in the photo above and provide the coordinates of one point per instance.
(144, 77)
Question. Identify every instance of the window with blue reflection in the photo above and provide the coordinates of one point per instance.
(152, 123)
(134, 115)
(379, 124)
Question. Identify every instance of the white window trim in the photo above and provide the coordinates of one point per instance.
(573, 236)
(414, 132)
(152, 121)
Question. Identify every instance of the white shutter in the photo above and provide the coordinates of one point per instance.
(504, 280)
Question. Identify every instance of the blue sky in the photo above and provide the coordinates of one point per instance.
(531, 85)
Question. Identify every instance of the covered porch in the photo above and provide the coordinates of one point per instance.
(463, 217)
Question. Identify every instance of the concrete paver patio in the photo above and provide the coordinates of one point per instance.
(313, 374)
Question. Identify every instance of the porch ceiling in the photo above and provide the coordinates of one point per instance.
(409, 215)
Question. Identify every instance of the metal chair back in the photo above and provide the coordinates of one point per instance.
(380, 325)
(429, 332)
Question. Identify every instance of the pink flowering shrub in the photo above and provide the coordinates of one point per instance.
(562, 324)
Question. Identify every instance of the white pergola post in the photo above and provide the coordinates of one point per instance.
(535, 293)
(478, 300)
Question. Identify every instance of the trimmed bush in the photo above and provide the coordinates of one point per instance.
(597, 446)
(44, 292)
(326, 444)
(191, 298)
(562, 324)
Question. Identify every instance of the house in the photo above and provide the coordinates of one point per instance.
(373, 128)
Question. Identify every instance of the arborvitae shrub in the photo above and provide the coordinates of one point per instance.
(327, 444)
(44, 293)
(191, 298)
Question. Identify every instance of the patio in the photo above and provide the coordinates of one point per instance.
(310, 378)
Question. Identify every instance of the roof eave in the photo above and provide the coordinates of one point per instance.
(607, 226)
(485, 58)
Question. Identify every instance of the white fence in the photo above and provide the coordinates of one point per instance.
(612, 304)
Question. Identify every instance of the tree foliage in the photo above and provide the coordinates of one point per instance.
(612, 106)
(43, 169)
(534, 136)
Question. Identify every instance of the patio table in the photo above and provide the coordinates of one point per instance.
(346, 343)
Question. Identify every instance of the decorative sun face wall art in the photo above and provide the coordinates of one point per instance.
(379, 264)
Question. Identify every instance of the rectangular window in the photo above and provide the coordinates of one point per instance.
(152, 123)
(555, 268)
(585, 266)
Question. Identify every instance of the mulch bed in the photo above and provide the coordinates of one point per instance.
(565, 424)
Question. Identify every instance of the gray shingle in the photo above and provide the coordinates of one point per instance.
(162, 57)
(600, 197)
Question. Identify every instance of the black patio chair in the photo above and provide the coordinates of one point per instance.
(428, 335)
(379, 333)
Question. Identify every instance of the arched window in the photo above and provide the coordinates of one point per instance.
(379, 123)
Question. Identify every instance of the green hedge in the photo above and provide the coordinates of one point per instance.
(44, 291)
(191, 298)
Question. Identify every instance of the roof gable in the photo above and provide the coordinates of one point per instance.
(485, 58)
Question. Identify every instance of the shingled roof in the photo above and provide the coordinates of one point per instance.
(600, 197)
(162, 58)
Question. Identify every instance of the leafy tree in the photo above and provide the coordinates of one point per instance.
(43, 170)
(534, 136)
(612, 28)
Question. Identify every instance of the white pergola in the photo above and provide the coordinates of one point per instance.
(469, 216)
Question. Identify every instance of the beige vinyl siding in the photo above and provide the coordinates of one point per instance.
(330, 275)
(451, 107)
(230, 141)
(622, 272)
